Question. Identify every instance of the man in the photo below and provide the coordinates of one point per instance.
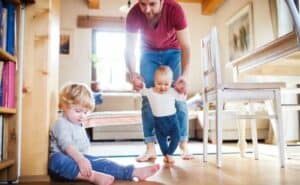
(165, 40)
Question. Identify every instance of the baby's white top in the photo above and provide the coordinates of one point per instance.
(162, 104)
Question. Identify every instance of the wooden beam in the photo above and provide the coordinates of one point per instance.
(210, 6)
(93, 4)
(86, 21)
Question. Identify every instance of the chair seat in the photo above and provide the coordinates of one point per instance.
(252, 85)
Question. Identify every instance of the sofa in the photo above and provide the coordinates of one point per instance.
(126, 102)
(131, 102)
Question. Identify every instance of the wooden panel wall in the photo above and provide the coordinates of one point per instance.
(40, 85)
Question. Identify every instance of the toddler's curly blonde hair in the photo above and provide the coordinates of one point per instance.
(76, 94)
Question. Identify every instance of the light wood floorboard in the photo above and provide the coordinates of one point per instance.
(235, 171)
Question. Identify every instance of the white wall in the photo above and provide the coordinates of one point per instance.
(262, 27)
(77, 67)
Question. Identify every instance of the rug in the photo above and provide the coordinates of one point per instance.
(292, 150)
(136, 148)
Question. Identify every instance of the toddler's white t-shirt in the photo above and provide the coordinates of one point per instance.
(162, 104)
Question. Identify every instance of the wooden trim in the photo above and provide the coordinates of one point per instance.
(34, 178)
(4, 55)
(17, 2)
(5, 110)
(86, 21)
(93, 4)
(210, 6)
(6, 163)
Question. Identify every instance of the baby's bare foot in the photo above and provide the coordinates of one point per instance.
(169, 159)
(99, 178)
(143, 173)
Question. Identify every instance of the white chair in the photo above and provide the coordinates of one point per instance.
(217, 93)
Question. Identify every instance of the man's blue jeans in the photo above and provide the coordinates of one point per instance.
(150, 61)
(62, 166)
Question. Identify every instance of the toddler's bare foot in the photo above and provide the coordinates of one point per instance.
(168, 159)
(102, 179)
(98, 178)
(185, 154)
(142, 173)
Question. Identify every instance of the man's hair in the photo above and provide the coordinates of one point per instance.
(76, 94)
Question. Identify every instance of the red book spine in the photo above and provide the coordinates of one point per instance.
(5, 85)
(9, 72)
(11, 84)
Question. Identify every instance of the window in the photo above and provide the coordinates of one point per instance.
(111, 67)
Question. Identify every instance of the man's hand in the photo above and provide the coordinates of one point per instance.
(137, 81)
(181, 85)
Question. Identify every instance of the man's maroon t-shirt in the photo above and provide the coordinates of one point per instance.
(164, 35)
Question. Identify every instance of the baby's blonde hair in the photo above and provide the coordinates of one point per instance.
(76, 94)
(164, 70)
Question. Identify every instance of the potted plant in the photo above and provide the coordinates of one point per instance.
(95, 84)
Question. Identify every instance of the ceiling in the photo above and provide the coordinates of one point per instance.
(209, 7)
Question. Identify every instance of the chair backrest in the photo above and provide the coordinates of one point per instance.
(210, 61)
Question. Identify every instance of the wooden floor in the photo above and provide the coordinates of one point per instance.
(235, 171)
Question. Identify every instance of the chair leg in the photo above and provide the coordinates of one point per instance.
(253, 132)
(242, 144)
(280, 129)
(205, 131)
(270, 109)
(219, 119)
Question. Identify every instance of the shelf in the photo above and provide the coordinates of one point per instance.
(286, 47)
(17, 2)
(6, 56)
(4, 110)
(6, 163)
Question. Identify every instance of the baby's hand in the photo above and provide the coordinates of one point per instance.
(137, 81)
(181, 85)
(85, 167)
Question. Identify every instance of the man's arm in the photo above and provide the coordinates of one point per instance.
(185, 44)
(130, 58)
(131, 41)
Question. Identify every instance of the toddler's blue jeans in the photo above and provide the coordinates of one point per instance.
(150, 61)
(64, 167)
(165, 127)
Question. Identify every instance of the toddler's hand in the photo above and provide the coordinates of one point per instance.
(181, 85)
(85, 167)
(137, 81)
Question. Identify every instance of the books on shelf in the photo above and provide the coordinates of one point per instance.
(8, 84)
(4, 27)
(7, 27)
(1, 70)
(10, 36)
(7, 43)
(1, 137)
